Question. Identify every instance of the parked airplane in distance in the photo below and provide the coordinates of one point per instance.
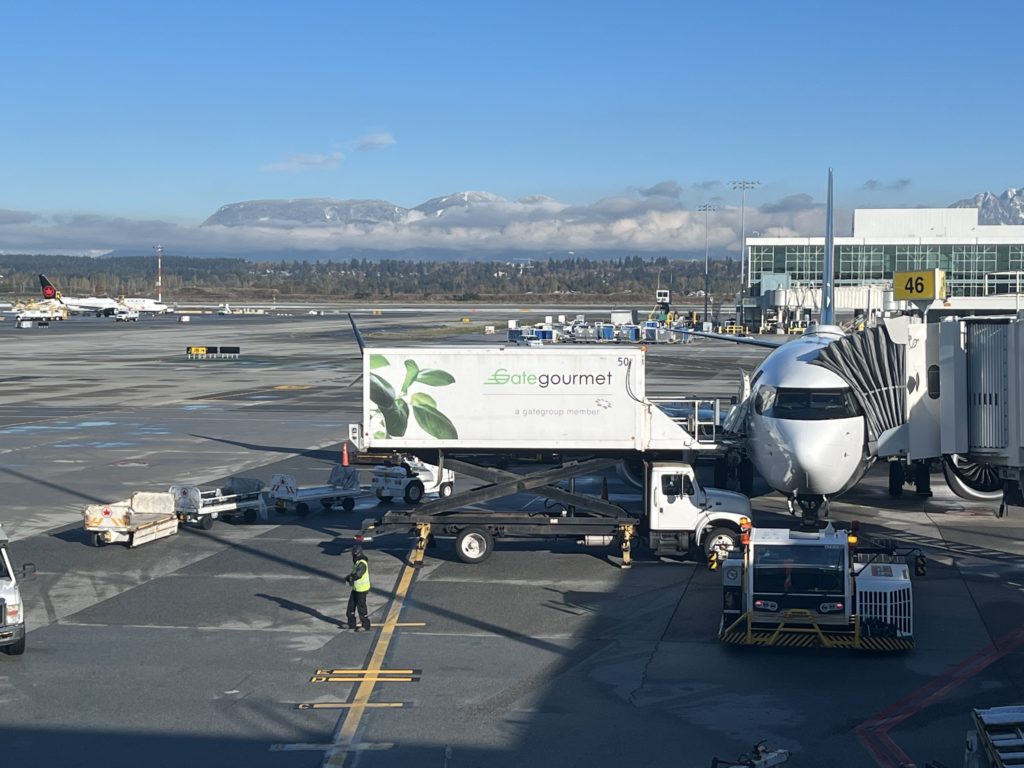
(146, 306)
(91, 305)
(102, 306)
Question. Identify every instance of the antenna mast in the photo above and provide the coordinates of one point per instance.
(159, 272)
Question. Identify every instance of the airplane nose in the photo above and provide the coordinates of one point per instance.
(813, 457)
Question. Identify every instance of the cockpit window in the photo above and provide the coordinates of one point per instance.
(809, 404)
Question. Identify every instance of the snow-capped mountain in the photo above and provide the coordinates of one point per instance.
(328, 212)
(438, 205)
(1007, 208)
(307, 212)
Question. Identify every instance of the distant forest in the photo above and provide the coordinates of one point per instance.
(187, 279)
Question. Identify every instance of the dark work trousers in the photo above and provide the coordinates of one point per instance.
(357, 600)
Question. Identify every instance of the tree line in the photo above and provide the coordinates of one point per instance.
(187, 279)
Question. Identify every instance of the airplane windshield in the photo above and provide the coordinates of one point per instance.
(802, 570)
(806, 404)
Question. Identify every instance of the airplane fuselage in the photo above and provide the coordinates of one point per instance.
(805, 431)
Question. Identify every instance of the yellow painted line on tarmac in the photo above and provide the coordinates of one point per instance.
(345, 733)
(349, 705)
(366, 672)
(294, 386)
(363, 678)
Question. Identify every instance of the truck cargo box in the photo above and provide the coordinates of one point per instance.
(512, 398)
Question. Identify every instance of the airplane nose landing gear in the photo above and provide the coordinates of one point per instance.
(809, 508)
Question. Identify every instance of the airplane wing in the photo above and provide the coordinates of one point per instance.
(359, 337)
(734, 339)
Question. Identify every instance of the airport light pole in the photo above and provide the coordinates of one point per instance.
(743, 185)
(706, 208)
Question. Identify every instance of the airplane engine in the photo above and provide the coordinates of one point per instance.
(972, 480)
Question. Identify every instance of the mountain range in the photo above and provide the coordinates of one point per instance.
(1007, 208)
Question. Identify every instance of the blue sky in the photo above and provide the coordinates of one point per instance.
(165, 111)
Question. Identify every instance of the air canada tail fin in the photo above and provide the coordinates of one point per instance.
(49, 290)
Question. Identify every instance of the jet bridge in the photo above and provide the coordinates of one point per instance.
(950, 391)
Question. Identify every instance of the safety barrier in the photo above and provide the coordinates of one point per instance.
(212, 353)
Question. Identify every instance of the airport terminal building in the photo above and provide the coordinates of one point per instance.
(979, 259)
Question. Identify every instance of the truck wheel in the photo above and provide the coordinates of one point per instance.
(98, 540)
(302, 509)
(474, 545)
(16, 649)
(445, 490)
(348, 504)
(413, 492)
(897, 476)
(720, 540)
(250, 515)
(206, 522)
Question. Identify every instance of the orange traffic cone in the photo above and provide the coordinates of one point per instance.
(344, 454)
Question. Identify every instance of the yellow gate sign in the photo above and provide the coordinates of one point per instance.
(925, 285)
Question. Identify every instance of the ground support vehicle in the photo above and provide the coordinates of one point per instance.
(342, 488)
(411, 480)
(142, 518)
(12, 610)
(680, 515)
(817, 588)
(241, 496)
(468, 410)
(996, 738)
(126, 315)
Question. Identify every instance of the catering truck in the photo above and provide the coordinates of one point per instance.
(477, 411)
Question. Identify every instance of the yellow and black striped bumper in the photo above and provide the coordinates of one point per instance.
(804, 638)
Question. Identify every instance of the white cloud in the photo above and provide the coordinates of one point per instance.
(296, 163)
(374, 141)
(533, 223)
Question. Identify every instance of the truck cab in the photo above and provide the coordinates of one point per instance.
(12, 610)
(684, 514)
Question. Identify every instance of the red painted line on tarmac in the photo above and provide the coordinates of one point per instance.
(873, 733)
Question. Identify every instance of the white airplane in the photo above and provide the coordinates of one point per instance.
(92, 305)
(146, 306)
(800, 425)
(103, 306)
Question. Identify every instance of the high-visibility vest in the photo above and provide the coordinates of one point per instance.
(361, 584)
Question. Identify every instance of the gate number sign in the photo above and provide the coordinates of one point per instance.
(926, 285)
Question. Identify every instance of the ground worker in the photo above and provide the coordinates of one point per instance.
(359, 579)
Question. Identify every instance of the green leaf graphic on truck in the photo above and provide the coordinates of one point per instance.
(393, 408)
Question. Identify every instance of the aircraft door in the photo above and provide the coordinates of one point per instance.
(673, 497)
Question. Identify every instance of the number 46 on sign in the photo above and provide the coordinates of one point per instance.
(926, 285)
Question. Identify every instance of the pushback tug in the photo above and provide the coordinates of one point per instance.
(817, 588)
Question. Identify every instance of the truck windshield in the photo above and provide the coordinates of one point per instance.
(806, 404)
(798, 569)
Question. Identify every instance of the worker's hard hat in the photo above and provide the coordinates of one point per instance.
(357, 552)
